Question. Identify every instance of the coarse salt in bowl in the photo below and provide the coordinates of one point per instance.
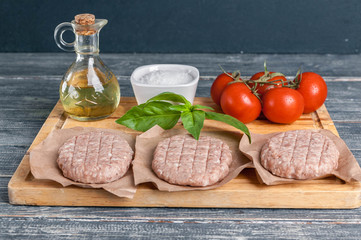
(150, 80)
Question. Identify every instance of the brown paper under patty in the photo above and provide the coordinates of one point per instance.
(148, 141)
(43, 163)
(348, 168)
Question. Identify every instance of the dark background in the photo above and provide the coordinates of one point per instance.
(198, 26)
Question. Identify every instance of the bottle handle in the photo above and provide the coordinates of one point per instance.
(58, 37)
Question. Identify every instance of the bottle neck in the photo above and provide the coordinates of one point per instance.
(87, 44)
(88, 59)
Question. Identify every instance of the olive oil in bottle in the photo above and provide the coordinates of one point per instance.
(90, 95)
(89, 90)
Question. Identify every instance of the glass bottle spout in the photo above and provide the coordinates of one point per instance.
(86, 36)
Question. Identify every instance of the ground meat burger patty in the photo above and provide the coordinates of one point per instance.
(95, 157)
(182, 160)
(300, 154)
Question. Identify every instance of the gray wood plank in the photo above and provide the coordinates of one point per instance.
(10, 157)
(343, 100)
(69, 228)
(25, 114)
(20, 135)
(350, 133)
(193, 223)
(186, 214)
(49, 64)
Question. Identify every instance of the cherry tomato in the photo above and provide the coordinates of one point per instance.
(262, 88)
(314, 91)
(218, 85)
(282, 105)
(238, 101)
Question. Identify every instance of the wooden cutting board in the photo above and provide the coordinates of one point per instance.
(242, 192)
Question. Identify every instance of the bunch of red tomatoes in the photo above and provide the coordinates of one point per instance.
(280, 100)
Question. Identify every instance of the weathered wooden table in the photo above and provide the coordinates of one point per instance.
(29, 90)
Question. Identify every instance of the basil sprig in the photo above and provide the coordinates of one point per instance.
(165, 110)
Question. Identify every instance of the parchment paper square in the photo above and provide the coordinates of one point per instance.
(43, 163)
(148, 141)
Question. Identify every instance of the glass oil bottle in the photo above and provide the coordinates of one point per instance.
(89, 90)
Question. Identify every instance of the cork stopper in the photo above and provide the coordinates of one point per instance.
(85, 19)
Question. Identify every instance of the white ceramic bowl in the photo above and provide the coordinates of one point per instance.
(143, 91)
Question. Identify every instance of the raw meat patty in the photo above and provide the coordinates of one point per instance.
(182, 160)
(300, 154)
(95, 157)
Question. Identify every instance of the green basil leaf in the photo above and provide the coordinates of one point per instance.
(169, 96)
(141, 105)
(229, 120)
(197, 106)
(181, 108)
(160, 111)
(142, 118)
(193, 122)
